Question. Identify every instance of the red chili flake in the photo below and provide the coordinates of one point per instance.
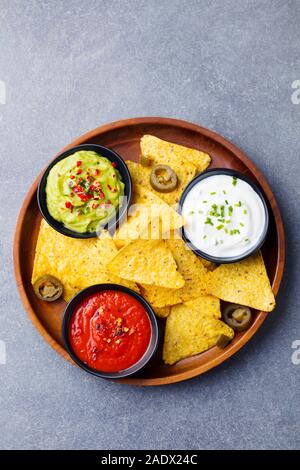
(81, 194)
(108, 201)
(114, 164)
(68, 204)
(95, 205)
(101, 194)
(72, 177)
(97, 172)
(78, 172)
(78, 163)
(113, 190)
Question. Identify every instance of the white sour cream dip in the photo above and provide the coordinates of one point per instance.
(224, 216)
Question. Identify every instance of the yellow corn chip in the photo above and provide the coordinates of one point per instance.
(244, 283)
(168, 153)
(77, 263)
(147, 262)
(145, 209)
(141, 175)
(160, 297)
(193, 272)
(192, 328)
(162, 312)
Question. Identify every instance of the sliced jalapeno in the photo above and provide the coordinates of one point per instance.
(237, 317)
(163, 178)
(48, 288)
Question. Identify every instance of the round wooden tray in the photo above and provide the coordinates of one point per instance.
(123, 137)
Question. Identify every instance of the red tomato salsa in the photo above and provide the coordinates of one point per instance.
(110, 331)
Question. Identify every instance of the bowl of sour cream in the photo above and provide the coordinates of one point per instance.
(226, 216)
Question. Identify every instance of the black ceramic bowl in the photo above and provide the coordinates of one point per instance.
(237, 174)
(145, 359)
(105, 152)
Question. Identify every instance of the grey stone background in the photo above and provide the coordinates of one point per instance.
(69, 66)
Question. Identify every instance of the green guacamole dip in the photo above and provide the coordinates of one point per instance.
(83, 190)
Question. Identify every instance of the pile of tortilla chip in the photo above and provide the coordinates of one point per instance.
(148, 255)
(186, 163)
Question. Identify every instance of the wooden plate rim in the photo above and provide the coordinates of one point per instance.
(181, 376)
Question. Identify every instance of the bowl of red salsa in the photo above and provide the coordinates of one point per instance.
(110, 331)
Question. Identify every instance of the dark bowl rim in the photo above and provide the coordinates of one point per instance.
(149, 353)
(110, 155)
(257, 189)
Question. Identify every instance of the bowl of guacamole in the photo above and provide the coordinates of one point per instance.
(85, 189)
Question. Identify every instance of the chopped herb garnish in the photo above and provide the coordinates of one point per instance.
(245, 211)
(221, 220)
(241, 224)
(230, 210)
(200, 212)
(226, 201)
(213, 193)
(234, 231)
(222, 210)
(204, 202)
(191, 212)
(228, 221)
(234, 180)
(247, 239)
(204, 236)
(219, 227)
(226, 230)
(209, 221)
(224, 192)
(238, 204)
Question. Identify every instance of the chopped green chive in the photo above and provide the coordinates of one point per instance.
(208, 221)
(245, 211)
(204, 202)
(213, 193)
(204, 236)
(247, 239)
(230, 210)
(191, 212)
(234, 231)
(221, 220)
(234, 180)
(226, 201)
(224, 192)
(241, 224)
(219, 227)
(228, 221)
(226, 230)
(238, 204)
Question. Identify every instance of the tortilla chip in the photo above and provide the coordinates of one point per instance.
(147, 262)
(141, 175)
(77, 263)
(160, 297)
(162, 312)
(168, 153)
(192, 328)
(211, 304)
(244, 283)
(193, 272)
(145, 209)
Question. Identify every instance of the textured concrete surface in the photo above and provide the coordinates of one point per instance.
(69, 66)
